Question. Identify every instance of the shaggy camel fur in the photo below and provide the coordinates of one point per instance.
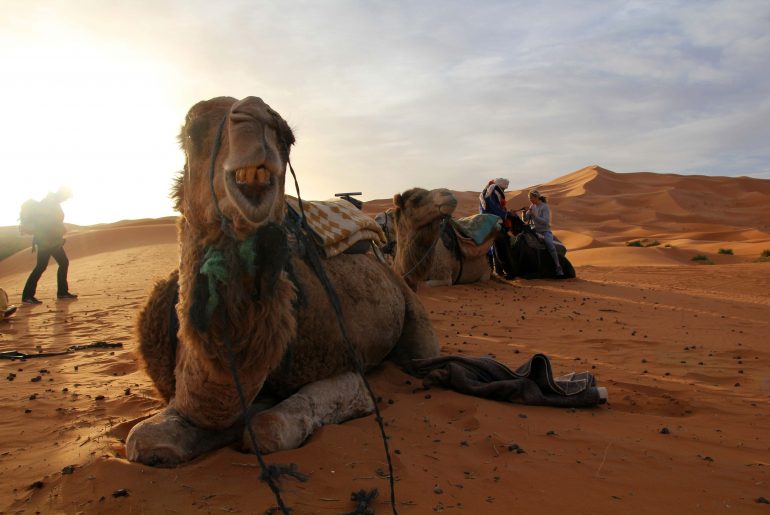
(420, 255)
(267, 304)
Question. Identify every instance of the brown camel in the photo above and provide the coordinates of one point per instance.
(419, 217)
(247, 291)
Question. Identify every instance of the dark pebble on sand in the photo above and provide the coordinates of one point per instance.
(427, 396)
(552, 433)
(762, 500)
(11, 376)
(36, 484)
(99, 398)
(69, 469)
(33, 397)
(120, 493)
(35, 379)
(664, 431)
(522, 415)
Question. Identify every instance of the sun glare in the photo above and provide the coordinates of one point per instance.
(94, 116)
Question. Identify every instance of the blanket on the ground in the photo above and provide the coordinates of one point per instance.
(532, 383)
(337, 224)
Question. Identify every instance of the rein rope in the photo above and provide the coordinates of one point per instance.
(444, 220)
(335, 302)
(268, 474)
(271, 472)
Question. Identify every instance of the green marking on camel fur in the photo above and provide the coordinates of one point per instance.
(214, 267)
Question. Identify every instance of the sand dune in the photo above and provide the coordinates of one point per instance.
(597, 208)
(680, 346)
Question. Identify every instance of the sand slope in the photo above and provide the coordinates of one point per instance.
(597, 208)
(679, 346)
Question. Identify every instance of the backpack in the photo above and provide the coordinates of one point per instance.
(28, 216)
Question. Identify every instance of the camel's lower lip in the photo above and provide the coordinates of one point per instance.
(251, 190)
(447, 209)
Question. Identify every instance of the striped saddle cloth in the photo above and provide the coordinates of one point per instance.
(337, 224)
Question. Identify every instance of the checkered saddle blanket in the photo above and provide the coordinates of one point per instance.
(337, 224)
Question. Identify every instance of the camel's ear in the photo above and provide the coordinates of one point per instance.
(398, 200)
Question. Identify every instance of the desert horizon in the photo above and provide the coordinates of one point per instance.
(680, 344)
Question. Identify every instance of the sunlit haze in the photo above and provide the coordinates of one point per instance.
(383, 96)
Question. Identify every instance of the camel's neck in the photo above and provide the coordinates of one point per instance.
(235, 294)
(415, 251)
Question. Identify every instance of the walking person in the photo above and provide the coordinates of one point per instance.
(539, 214)
(44, 220)
(492, 201)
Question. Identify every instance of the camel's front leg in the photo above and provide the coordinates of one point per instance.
(167, 439)
(329, 401)
(204, 414)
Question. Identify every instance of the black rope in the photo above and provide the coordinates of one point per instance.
(224, 221)
(315, 260)
(363, 500)
(268, 474)
(430, 249)
(12, 354)
(335, 302)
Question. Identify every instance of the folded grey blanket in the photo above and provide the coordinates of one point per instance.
(532, 383)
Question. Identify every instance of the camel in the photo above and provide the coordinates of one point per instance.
(421, 220)
(530, 258)
(247, 303)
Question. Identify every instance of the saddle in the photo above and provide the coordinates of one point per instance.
(338, 226)
(471, 236)
(535, 241)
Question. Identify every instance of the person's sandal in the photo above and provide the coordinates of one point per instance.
(32, 301)
(67, 296)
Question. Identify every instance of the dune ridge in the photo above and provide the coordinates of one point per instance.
(597, 208)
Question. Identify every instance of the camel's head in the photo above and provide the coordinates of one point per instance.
(418, 208)
(249, 167)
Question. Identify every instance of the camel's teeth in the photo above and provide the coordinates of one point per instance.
(263, 176)
(250, 174)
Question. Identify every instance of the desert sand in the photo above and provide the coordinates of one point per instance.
(682, 347)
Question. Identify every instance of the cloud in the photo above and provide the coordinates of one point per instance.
(386, 96)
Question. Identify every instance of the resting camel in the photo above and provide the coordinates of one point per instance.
(246, 296)
(422, 219)
(530, 258)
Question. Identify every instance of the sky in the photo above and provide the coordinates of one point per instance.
(382, 95)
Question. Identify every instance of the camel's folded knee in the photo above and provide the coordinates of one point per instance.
(167, 439)
(329, 401)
